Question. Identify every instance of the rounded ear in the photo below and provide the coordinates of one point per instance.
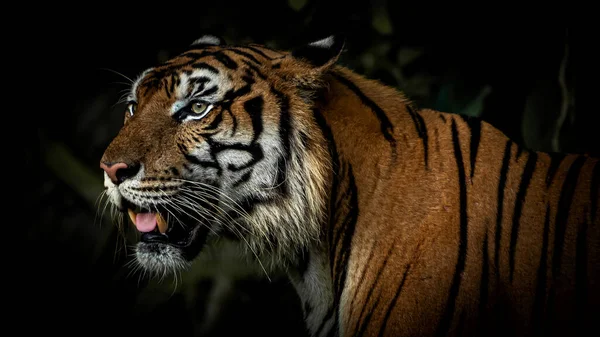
(321, 53)
(208, 40)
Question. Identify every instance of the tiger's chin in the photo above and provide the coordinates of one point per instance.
(170, 245)
(160, 255)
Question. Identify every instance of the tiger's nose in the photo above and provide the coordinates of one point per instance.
(119, 172)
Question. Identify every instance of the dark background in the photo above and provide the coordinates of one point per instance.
(503, 65)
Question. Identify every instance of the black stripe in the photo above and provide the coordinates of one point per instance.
(595, 191)
(360, 332)
(371, 289)
(422, 131)
(180, 114)
(225, 60)
(386, 126)
(255, 69)
(258, 51)
(254, 109)
(165, 85)
(210, 91)
(150, 82)
(442, 117)
(255, 151)
(234, 122)
(173, 79)
(247, 204)
(581, 277)
(475, 127)
(285, 135)
(347, 228)
(231, 94)
(303, 138)
(560, 224)
(539, 300)
(199, 80)
(500, 209)
(420, 128)
(215, 122)
(555, 161)
(335, 163)
(244, 178)
(191, 53)
(445, 322)
(345, 231)
(205, 66)
(417, 121)
(361, 279)
(563, 210)
(484, 284)
(392, 305)
(248, 77)
(519, 201)
(202, 163)
(338, 208)
(196, 86)
(182, 148)
(247, 55)
(327, 317)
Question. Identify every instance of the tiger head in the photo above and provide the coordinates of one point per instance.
(220, 142)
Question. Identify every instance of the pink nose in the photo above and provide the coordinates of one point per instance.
(112, 170)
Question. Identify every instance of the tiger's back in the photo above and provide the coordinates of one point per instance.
(461, 230)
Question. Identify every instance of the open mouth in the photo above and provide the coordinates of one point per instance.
(167, 227)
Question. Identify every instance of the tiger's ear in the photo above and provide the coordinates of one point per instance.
(208, 40)
(322, 53)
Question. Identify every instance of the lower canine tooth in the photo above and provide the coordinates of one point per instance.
(162, 224)
(131, 215)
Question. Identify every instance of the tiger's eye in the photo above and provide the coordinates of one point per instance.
(131, 108)
(199, 107)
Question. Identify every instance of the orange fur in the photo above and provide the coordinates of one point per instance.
(436, 224)
(411, 219)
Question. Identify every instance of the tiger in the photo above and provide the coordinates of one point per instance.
(388, 219)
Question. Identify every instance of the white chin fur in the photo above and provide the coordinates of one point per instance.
(160, 259)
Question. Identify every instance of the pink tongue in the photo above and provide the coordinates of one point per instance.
(145, 222)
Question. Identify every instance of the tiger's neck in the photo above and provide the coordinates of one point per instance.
(349, 111)
(372, 124)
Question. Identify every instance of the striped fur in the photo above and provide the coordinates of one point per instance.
(390, 220)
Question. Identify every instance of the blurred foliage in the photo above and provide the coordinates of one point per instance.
(519, 78)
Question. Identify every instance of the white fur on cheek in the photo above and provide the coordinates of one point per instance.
(112, 191)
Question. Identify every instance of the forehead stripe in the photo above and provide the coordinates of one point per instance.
(226, 60)
(255, 69)
(258, 51)
(246, 55)
(204, 66)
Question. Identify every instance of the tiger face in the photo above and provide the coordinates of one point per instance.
(216, 142)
